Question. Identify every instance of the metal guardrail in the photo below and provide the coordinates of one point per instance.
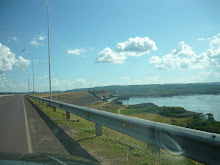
(198, 145)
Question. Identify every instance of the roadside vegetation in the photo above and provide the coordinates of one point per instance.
(170, 115)
(174, 115)
(112, 147)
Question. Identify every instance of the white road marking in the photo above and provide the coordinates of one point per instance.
(29, 144)
(5, 95)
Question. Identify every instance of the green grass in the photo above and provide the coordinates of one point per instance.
(159, 118)
(112, 147)
(84, 99)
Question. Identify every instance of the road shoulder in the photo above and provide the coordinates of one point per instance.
(42, 138)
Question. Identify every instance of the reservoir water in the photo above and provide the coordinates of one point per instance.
(196, 103)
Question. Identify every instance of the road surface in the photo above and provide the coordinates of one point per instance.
(22, 129)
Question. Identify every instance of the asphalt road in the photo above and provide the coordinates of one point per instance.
(23, 130)
(13, 135)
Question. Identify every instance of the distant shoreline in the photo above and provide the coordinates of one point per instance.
(125, 97)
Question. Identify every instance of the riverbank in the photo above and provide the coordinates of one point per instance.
(194, 103)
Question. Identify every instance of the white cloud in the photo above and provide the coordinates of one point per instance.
(137, 46)
(108, 56)
(35, 43)
(7, 60)
(37, 40)
(213, 53)
(184, 58)
(22, 63)
(215, 42)
(180, 58)
(75, 51)
(41, 38)
(125, 78)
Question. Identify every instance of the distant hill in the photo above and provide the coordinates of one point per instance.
(155, 90)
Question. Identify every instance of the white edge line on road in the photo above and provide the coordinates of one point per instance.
(30, 149)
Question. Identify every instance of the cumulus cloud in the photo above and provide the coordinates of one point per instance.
(137, 46)
(8, 59)
(215, 42)
(184, 58)
(213, 53)
(108, 56)
(37, 40)
(22, 63)
(180, 58)
(75, 51)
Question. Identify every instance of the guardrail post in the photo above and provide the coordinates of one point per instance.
(54, 109)
(154, 149)
(98, 129)
(42, 103)
(67, 115)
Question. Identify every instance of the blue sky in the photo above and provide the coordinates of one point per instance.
(117, 42)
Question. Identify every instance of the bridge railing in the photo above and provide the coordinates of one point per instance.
(197, 145)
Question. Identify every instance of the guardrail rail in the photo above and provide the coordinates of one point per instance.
(197, 145)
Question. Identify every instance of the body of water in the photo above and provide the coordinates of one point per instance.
(195, 103)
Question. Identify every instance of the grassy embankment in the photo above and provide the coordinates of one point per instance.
(87, 100)
(175, 116)
(113, 147)
(84, 99)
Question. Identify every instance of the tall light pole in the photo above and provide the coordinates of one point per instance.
(48, 38)
(32, 69)
(28, 84)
